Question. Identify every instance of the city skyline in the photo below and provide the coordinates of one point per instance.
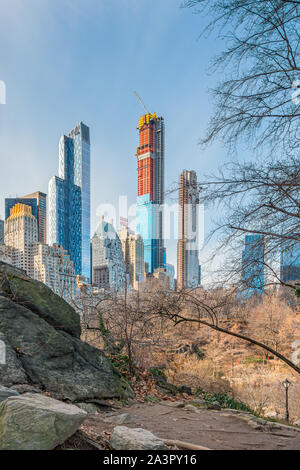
(103, 97)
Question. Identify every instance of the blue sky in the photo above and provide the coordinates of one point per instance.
(65, 61)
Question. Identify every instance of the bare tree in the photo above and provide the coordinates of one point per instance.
(256, 199)
(188, 306)
(257, 99)
(133, 321)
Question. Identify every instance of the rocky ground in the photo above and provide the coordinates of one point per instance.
(215, 429)
(58, 392)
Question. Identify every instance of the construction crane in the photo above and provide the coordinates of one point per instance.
(142, 102)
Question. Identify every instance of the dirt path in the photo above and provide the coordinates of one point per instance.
(218, 430)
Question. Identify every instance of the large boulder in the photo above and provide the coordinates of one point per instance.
(124, 438)
(6, 393)
(38, 298)
(47, 354)
(37, 422)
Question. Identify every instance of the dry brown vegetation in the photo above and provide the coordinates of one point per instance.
(197, 356)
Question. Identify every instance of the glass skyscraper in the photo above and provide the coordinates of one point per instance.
(290, 262)
(69, 199)
(253, 268)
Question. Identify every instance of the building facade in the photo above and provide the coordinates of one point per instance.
(53, 266)
(6, 254)
(151, 187)
(41, 202)
(1, 232)
(170, 270)
(109, 271)
(253, 270)
(21, 232)
(133, 253)
(188, 231)
(290, 263)
(48, 264)
(69, 199)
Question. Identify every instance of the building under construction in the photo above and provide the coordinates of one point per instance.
(151, 177)
(188, 218)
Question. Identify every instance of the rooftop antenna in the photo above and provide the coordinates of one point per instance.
(142, 102)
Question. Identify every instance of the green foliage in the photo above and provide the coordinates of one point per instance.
(223, 399)
(158, 373)
(297, 292)
(120, 361)
(253, 360)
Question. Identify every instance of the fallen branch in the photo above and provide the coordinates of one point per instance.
(184, 445)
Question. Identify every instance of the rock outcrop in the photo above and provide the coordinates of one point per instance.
(124, 438)
(6, 393)
(37, 422)
(41, 333)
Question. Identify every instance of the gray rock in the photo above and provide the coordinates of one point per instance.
(215, 405)
(25, 388)
(124, 418)
(43, 349)
(191, 408)
(38, 298)
(202, 404)
(37, 422)
(7, 392)
(90, 408)
(124, 438)
(12, 372)
(175, 404)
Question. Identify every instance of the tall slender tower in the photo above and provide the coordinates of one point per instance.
(69, 199)
(151, 187)
(188, 218)
(253, 265)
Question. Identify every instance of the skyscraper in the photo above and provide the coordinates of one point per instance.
(253, 270)
(69, 199)
(49, 264)
(21, 232)
(109, 271)
(41, 214)
(151, 187)
(52, 266)
(133, 252)
(290, 262)
(37, 202)
(1, 232)
(170, 270)
(188, 220)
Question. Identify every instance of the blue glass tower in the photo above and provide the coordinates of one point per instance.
(69, 199)
(253, 271)
(290, 263)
